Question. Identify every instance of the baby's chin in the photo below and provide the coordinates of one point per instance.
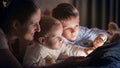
(55, 48)
(73, 39)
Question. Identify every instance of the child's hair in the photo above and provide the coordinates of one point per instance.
(65, 11)
(112, 26)
(46, 24)
(115, 36)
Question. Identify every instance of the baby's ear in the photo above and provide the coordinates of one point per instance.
(41, 40)
(15, 26)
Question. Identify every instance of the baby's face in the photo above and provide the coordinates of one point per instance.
(54, 37)
(99, 40)
(71, 28)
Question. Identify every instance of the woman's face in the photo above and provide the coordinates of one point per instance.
(30, 27)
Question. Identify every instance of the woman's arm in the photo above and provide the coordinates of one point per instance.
(8, 60)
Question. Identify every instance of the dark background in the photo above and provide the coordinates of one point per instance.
(98, 13)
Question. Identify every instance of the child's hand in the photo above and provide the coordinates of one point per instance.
(99, 40)
(49, 60)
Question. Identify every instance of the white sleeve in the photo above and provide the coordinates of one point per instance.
(73, 50)
(33, 57)
(3, 40)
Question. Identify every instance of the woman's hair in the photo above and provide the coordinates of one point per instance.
(46, 24)
(18, 10)
(65, 11)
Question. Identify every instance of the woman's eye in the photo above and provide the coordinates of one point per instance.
(34, 24)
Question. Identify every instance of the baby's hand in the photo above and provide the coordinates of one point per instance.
(49, 60)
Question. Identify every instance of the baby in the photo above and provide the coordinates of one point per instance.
(48, 45)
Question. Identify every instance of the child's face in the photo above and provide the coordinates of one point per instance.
(54, 39)
(71, 28)
(99, 40)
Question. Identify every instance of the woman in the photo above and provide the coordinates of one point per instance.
(19, 21)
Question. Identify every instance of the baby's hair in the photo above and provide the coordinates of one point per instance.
(65, 11)
(115, 36)
(113, 26)
(46, 23)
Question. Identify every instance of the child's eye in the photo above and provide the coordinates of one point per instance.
(77, 25)
(53, 36)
